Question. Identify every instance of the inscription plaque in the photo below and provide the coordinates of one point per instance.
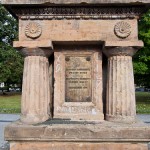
(78, 79)
(78, 82)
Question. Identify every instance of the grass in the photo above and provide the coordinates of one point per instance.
(11, 103)
(143, 102)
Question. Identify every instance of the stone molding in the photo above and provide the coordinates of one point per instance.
(34, 48)
(81, 131)
(121, 48)
(77, 12)
(120, 118)
(45, 52)
(33, 44)
(49, 2)
(119, 51)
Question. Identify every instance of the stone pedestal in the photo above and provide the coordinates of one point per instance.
(35, 102)
(77, 146)
(78, 135)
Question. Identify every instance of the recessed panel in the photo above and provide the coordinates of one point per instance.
(78, 82)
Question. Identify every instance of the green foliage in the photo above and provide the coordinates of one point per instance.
(11, 62)
(140, 68)
(142, 58)
(11, 65)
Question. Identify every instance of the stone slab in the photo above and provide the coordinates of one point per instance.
(78, 31)
(76, 146)
(29, 2)
(81, 97)
(75, 131)
(137, 43)
(33, 44)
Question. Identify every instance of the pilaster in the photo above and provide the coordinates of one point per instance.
(35, 102)
(120, 97)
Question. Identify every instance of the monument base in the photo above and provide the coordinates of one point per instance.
(75, 135)
(76, 146)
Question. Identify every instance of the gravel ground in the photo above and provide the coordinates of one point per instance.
(145, 118)
(5, 119)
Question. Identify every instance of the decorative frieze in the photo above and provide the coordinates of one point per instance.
(76, 12)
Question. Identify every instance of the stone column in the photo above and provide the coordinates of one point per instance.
(120, 99)
(35, 102)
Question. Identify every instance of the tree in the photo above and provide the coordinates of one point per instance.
(142, 58)
(11, 61)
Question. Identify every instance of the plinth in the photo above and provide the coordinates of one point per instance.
(58, 134)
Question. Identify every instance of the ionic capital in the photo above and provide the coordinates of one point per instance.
(121, 48)
(34, 48)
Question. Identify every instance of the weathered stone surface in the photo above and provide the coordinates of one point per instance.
(120, 101)
(8, 2)
(76, 146)
(35, 104)
(82, 12)
(65, 130)
(108, 23)
(78, 101)
(123, 43)
(78, 30)
(33, 44)
(120, 94)
(78, 78)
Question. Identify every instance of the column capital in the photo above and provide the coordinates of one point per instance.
(34, 48)
(121, 48)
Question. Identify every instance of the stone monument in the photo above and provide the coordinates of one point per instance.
(78, 84)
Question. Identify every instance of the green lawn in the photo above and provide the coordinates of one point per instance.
(143, 102)
(11, 103)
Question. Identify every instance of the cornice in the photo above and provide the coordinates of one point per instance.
(77, 12)
(65, 2)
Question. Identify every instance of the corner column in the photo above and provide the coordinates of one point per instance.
(120, 97)
(35, 102)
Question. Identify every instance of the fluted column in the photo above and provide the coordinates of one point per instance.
(120, 99)
(35, 102)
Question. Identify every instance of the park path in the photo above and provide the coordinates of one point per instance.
(5, 119)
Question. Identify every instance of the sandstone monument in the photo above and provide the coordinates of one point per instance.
(78, 84)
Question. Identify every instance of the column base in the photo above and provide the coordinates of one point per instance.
(122, 119)
(34, 119)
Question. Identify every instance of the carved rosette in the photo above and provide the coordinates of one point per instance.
(33, 30)
(122, 29)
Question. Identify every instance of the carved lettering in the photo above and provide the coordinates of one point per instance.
(78, 79)
(58, 63)
(75, 110)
